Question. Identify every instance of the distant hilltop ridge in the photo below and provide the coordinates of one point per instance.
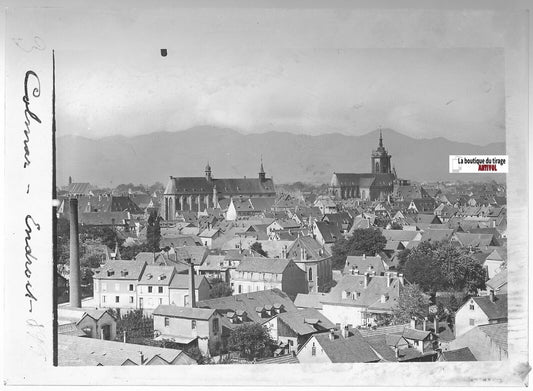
(288, 157)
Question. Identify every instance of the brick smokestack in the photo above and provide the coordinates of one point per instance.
(192, 290)
(74, 281)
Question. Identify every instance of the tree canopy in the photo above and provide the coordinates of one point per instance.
(442, 266)
(220, 288)
(412, 303)
(153, 232)
(368, 241)
(252, 341)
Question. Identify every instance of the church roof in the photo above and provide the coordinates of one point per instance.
(200, 185)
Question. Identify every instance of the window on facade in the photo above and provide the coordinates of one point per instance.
(472, 322)
(131, 287)
(185, 300)
(131, 299)
(313, 350)
(215, 326)
(160, 289)
(310, 274)
(167, 322)
(472, 307)
(149, 289)
(160, 300)
(193, 324)
(103, 299)
(240, 288)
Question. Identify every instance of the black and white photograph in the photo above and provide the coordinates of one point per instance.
(272, 194)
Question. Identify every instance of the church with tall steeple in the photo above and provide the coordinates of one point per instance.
(196, 194)
(375, 185)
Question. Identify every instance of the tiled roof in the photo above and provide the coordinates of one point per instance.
(183, 312)
(287, 359)
(313, 249)
(497, 332)
(364, 264)
(309, 300)
(399, 235)
(120, 270)
(213, 262)
(353, 349)
(494, 310)
(499, 282)
(330, 232)
(79, 188)
(474, 240)
(463, 354)
(197, 254)
(157, 275)
(181, 281)
(104, 218)
(229, 186)
(76, 351)
(299, 321)
(248, 302)
(263, 265)
(437, 235)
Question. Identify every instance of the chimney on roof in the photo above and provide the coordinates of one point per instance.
(491, 295)
(436, 324)
(284, 252)
(331, 335)
(366, 280)
(192, 290)
(396, 352)
(142, 357)
(364, 256)
(400, 277)
(74, 279)
(387, 276)
(345, 332)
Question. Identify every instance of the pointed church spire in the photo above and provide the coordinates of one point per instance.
(262, 175)
(380, 138)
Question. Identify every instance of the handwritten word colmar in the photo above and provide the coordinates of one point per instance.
(31, 78)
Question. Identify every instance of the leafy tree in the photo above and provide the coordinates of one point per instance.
(368, 241)
(220, 288)
(252, 341)
(412, 303)
(327, 287)
(153, 232)
(138, 327)
(130, 252)
(396, 226)
(258, 248)
(402, 259)
(443, 266)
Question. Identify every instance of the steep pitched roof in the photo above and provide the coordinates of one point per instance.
(157, 275)
(313, 249)
(305, 321)
(248, 302)
(263, 265)
(497, 332)
(120, 270)
(181, 281)
(330, 232)
(463, 354)
(353, 349)
(183, 312)
(499, 282)
(364, 263)
(76, 351)
(309, 300)
(494, 310)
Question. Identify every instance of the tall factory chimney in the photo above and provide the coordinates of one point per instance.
(74, 281)
(192, 290)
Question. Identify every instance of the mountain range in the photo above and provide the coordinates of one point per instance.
(288, 157)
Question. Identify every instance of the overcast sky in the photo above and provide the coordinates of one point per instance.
(261, 70)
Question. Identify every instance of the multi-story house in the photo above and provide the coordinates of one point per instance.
(179, 289)
(313, 259)
(115, 284)
(153, 288)
(189, 327)
(479, 311)
(258, 274)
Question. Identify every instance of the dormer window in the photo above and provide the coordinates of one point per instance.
(110, 273)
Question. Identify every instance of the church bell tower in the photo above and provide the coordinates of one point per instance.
(380, 159)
